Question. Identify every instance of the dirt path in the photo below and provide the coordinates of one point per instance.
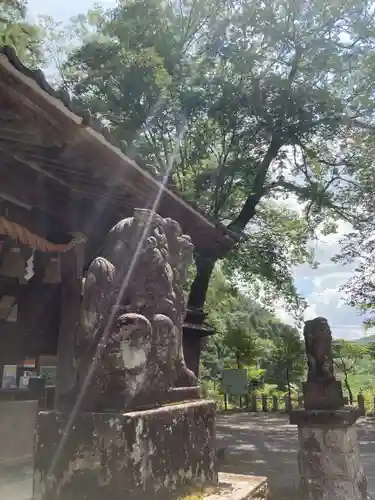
(16, 482)
(266, 445)
(258, 444)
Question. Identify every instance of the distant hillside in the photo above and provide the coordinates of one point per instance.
(366, 340)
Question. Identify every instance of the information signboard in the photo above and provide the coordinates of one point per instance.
(235, 382)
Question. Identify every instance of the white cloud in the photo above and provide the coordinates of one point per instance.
(310, 312)
(63, 11)
(321, 288)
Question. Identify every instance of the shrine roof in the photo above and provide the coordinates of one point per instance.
(43, 134)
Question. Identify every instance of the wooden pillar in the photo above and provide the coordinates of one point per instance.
(361, 402)
(193, 331)
(288, 403)
(191, 341)
(71, 273)
(254, 406)
(264, 403)
(275, 403)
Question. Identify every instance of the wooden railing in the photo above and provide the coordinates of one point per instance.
(265, 403)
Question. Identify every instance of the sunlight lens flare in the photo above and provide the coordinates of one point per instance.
(112, 316)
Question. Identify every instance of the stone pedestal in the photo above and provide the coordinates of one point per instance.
(145, 455)
(329, 461)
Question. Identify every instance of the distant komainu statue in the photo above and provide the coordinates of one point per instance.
(321, 391)
(318, 342)
(132, 315)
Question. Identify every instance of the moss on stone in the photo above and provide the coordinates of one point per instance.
(198, 495)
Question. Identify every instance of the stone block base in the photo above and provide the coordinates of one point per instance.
(329, 461)
(323, 396)
(144, 455)
(239, 487)
(335, 490)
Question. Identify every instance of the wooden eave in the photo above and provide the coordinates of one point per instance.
(51, 155)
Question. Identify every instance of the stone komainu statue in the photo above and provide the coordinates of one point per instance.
(132, 313)
(318, 343)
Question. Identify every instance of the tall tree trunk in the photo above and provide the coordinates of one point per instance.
(346, 382)
(205, 266)
(289, 389)
(238, 359)
(248, 210)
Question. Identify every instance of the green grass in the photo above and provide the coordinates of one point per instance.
(362, 381)
(364, 378)
(365, 340)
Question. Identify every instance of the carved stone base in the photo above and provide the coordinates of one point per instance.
(328, 459)
(239, 487)
(145, 455)
(323, 395)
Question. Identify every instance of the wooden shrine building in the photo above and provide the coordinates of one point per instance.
(63, 185)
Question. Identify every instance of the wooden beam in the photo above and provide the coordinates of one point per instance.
(72, 263)
(34, 166)
(28, 218)
(79, 182)
(30, 93)
(33, 98)
(74, 215)
(102, 154)
(27, 143)
(20, 134)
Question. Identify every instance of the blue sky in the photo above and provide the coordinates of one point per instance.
(319, 286)
(62, 10)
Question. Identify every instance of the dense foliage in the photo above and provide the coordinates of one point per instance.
(272, 352)
(260, 113)
(248, 336)
(347, 358)
(241, 106)
(17, 32)
(359, 250)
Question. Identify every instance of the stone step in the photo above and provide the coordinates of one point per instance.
(239, 487)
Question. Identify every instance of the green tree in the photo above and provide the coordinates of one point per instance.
(248, 335)
(17, 32)
(359, 249)
(215, 358)
(347, 356)
(241, 106)
(371, 350)
(370, 372)
(239, 325)
(286, 362)
(241, 339)
(58, 40)
(227, 308)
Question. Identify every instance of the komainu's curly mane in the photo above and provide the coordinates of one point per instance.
(138, 282)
